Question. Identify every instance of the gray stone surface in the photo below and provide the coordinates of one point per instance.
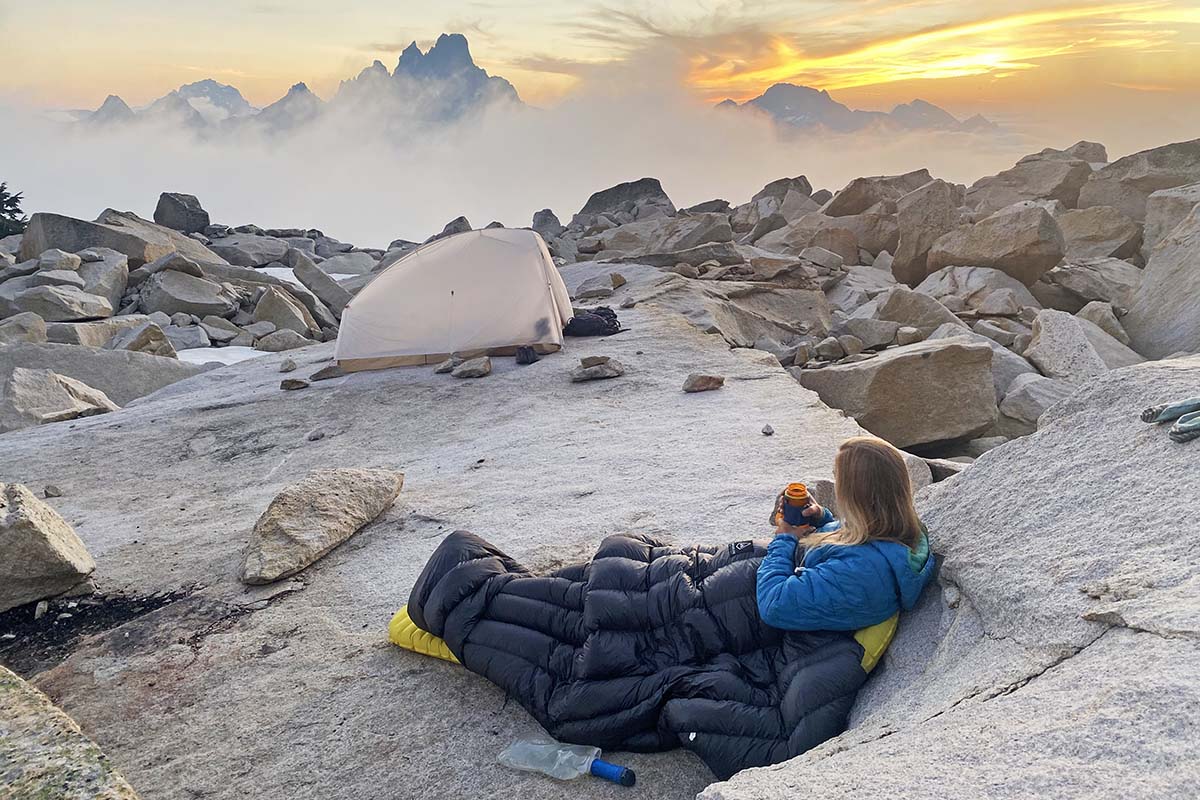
(1100, 232)
(31, 397)
(1061, 348)
(57, 303)
(1032, 178)
(215, 450)
(974, 285)
(27, 327)
(1031, 394)
(924, 216)
(249, 250)
(1127, 182)
(1021, 240)
(1006, 365)
(140, 240)
(43, 556)
(914, 309)
(120, 374)
(1042, 665)
(1165, 209)
(1164, 317)
(173, 292)
(181, 212)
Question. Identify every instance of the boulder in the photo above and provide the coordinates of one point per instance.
(875, 334)
(92, 334)
(187, 337)
(1075, 283)
(918, 394)
(56, 303)
(349, 264)
(43, 555)
(18, 270)
(1031, 394)
(55, 259)
(105, 272)
(667, 234)
(974, 285)
(862, 193)
(1101, 315)
(1127, 183)
(173, 261)
(1032, 178)
(1039, 654)
(473, 368)
(914, 309)
(308, 519)
(595, 368)
(282, 340)
(173, 292)
(642, 198)
(814, 230)
(181, 212)
(1021, 240)
(319, 283)
(56, 277)
(121, 374)
(23, 327)
(139, 240)
(1164, 317)
(1091, 152)
(144, 338)
(1007, 366)
(546, 223)
(924, 215)
(1074, 349)
(457, 225)
(278, 308)
(1165, 209)
(38, 396)
(46, 755)
(1099, 232)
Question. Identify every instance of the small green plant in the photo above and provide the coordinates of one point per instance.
(12, 219)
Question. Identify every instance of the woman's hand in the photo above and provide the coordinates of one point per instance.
(813, 511)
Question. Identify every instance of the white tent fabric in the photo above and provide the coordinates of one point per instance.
(480, 292)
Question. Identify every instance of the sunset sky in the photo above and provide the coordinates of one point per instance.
(1023, 57)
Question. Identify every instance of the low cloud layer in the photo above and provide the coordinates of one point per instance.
(359, 183)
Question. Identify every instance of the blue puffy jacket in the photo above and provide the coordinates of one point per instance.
(839, 587)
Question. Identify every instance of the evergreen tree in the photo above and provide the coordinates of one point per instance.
(12, 220)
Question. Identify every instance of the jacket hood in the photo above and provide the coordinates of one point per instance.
(912, 569)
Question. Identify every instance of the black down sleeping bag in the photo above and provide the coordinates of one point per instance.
(646, 647)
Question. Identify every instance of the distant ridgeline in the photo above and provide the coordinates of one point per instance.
(440, 85)
(444, 84)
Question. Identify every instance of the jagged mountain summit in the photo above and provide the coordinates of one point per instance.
(807, 108)
(441, 84)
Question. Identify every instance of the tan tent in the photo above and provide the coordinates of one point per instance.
(475, 293)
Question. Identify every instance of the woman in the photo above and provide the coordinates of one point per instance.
(855, 572)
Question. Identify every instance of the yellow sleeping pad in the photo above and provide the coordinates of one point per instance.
(875, 640)
(404, 632)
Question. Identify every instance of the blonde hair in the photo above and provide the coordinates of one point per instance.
(874, 496)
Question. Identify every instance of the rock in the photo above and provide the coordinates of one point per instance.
(547, 224)
(1022, 241)
(699, 382)
(454, 226)
(327, 372)
(601, 286)
(1100, 232)
(997, 334)
(18, 270)
(448, 365)
(1006, 366)
(56, 277)
(1164, 317)
(38, 396)
(924, 215)
(139, 240)
(1091, 152)
(1127, 183)
(349, 264)
(874, 334)
(308, 519)
(174, 292)
(1029, 396)
(851, 345)
(641, 199)
(906, 334)
(121, 374)
(914, 309)
(974, 285)
(259, 329)
(1101, 315)
(668, 234)
(145, 338)
(249, 250)
(1030, 179)
(591, 370)
(944, 468)
(1077, 283)
(282, 340)
(220, 330)
(56, 303)
(23, 327)
(829, 349)
(1165, 209)
(327, 290)
(93, 334)
(106, 273)
(187, 337)
(822, 257)
(914, 395)
(1070, 646)
(287, 365)
(278, 308)
(768, 430)
(43, 555)
(1001, 303)
(977, 447)
(173, 261)
(1061, 348)
(473, 368)
(55, 259)
(291, 384)
(860, 284)
(181, 212)
(862, 193)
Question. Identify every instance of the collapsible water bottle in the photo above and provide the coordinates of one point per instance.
(795, 500)
(563, 761)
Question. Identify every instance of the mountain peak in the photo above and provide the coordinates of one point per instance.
(449, 55)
